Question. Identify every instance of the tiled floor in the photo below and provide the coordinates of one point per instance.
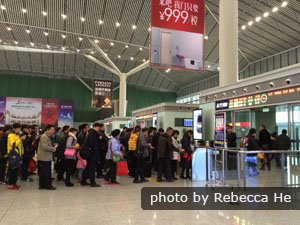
(120, 204)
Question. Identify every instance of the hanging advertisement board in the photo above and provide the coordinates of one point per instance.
(102, 94)
(177, 34)
(65, 113)
(2, 111)
(50, 112)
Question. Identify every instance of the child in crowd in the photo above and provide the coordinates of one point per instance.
(81, 164)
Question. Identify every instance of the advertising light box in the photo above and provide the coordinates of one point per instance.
(177, 34)
(220, 130)
(198, 124)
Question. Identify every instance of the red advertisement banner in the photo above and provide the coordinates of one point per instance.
(183, 15)
(49, 112)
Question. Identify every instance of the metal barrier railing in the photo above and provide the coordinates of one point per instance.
(241, 154)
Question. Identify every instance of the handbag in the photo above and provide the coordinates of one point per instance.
(122, 168)
(14, 158)
(116, 158)
(260, 155)
(70, 152)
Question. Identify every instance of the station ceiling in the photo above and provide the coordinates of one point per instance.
(50, 38)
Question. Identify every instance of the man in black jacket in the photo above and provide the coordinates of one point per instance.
(283, 142)
(264, 144)
(165, 155)
(3, 158)
(103, 146)
(82, 133)
(93, 144)
(27, 144)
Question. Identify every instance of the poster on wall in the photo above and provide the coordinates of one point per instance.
(102, 94)
(65, 113)
(197, 124)
(177, 34)
(2, 111)
(49, 112)
(23, 110)
(220, 130)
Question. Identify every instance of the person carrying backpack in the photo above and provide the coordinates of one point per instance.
(15, 152)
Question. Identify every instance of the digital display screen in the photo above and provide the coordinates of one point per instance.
(220, 130)
(271, 97)
(198, 124)
(187, 122)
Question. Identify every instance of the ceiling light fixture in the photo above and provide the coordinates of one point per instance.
(141, 49)
(80, 38)
(24, 10)
(206, 37)
(31, 43)
(144, 60)
(250, 23)
(266, 14)
(134, 27)
(219, 68)
(28, 31)
(63, 48)
(275, 9)
(3, 7)
(257, 19)
(284, 4)
(77, 50)
(126, 46)
(82, 19)
(149, 29)
(119, 56)
(106, 54)
(46, 33)
(131, 58)
(96, 41)
(64, 16)
(118, 24)
(92, 52)
(244, 27)
(8, 28)
(48, 46)
(16, 42)
(101, 21)
(44, 13)
(208, 66)
(112, 44)
(63, 36)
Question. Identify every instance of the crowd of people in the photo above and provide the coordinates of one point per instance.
(263, 141)
(88, 153)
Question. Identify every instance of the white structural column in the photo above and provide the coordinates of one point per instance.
(122, 96)
(228, 42)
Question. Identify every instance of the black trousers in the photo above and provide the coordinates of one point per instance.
(45, 174)
(89, 171)
(61, 168)
(24, 167)
(132, 163)
(3, 163)
(164, 167)
(12, 175)
(101, 165)
(70, 165)
(112, 171)
(174, 167)
(155, 160)
(140, 169)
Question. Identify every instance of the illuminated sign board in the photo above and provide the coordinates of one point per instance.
(220, 129)
(224, 104)
(197, 124)
(266, 98)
